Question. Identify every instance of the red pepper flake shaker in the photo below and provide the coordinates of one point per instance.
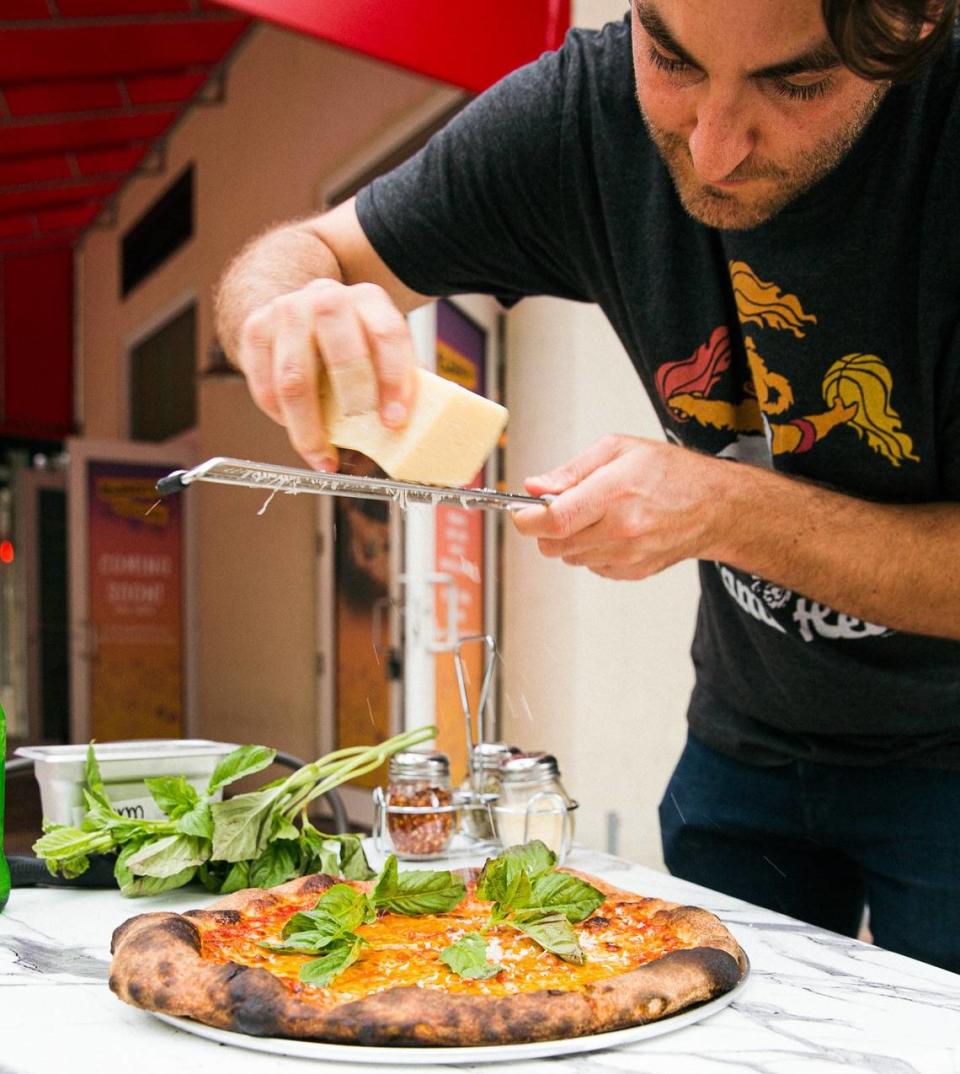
(419, 803)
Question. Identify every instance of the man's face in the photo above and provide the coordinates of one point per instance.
(746, 100)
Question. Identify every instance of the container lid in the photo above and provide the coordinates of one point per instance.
(134, 749)
(491, 755)
(529, 768)
(419, 764)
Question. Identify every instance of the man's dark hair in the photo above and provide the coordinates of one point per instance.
(889, 39)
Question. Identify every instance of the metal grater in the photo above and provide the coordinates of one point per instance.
(267, 477)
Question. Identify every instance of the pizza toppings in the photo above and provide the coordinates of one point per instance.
(416, 892)
(530, 895)
(331, 926)
(468, 958)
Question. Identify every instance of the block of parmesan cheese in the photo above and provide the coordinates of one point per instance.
(449, 436)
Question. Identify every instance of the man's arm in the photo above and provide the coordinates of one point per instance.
(315, 294)
(628, 508)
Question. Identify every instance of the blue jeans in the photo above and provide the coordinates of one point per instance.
(819, 842)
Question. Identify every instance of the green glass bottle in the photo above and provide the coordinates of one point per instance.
(4, 870)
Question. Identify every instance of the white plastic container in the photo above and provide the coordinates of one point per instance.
(123, 766)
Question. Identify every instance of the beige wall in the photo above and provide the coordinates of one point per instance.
(296, 111)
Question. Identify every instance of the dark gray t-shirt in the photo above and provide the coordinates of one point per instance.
(823, 344)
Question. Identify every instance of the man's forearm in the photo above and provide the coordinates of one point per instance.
(890, 564)
(274, 264)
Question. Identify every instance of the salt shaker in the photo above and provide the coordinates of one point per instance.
(533, 803)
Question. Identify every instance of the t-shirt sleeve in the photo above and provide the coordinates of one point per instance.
(480, 209)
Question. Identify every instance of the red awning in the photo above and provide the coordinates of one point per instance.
(86, 87)
(467, 44)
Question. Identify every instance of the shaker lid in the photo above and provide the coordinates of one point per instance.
(529, 768)
(491, 755)
(419, 764)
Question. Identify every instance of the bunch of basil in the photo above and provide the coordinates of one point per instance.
(250, 840)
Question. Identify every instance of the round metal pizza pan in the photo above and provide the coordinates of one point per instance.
(490, 1053)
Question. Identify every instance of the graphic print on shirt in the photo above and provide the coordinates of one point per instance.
(857, 391)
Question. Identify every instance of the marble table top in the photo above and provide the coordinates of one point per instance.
(815, 1001)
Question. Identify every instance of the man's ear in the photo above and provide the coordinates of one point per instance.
(932, 17)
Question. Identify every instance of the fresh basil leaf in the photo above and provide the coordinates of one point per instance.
(283, 829)
(241, 825)
(154, 885)
(306, 943)
(503, 881)
(100, 815)
(317, 853)
(121, 872)
(321, 971)
(340, 909)
(353, 859)
(67, 850)
(554, 933)
(171, 854)
(416, 892)
(468, 958)
(556, 892)
(92, 780)
(388, 880)
(199, 821)
(243, 761)
(534, 857)
(62, 842)
(212, 874)
(275, 865)
(237, 878)
(311, 922)
(173, 794)
(346, 905)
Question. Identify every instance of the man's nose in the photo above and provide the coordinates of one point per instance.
(723, 137)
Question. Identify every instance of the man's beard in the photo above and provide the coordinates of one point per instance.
(732, 210)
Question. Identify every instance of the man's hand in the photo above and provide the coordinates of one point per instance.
(314, 298)
(627, 508)
(284, 346)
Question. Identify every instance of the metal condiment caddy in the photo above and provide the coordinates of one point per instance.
(508, 796)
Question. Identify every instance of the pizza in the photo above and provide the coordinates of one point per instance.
(515, 975)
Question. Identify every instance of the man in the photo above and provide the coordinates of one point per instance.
(773, 235)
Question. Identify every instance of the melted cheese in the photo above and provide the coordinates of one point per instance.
(617, 938)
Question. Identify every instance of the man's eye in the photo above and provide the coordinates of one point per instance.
(801, 91)
(667, 63)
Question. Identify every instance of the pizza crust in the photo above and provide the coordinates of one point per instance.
(157, 965)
